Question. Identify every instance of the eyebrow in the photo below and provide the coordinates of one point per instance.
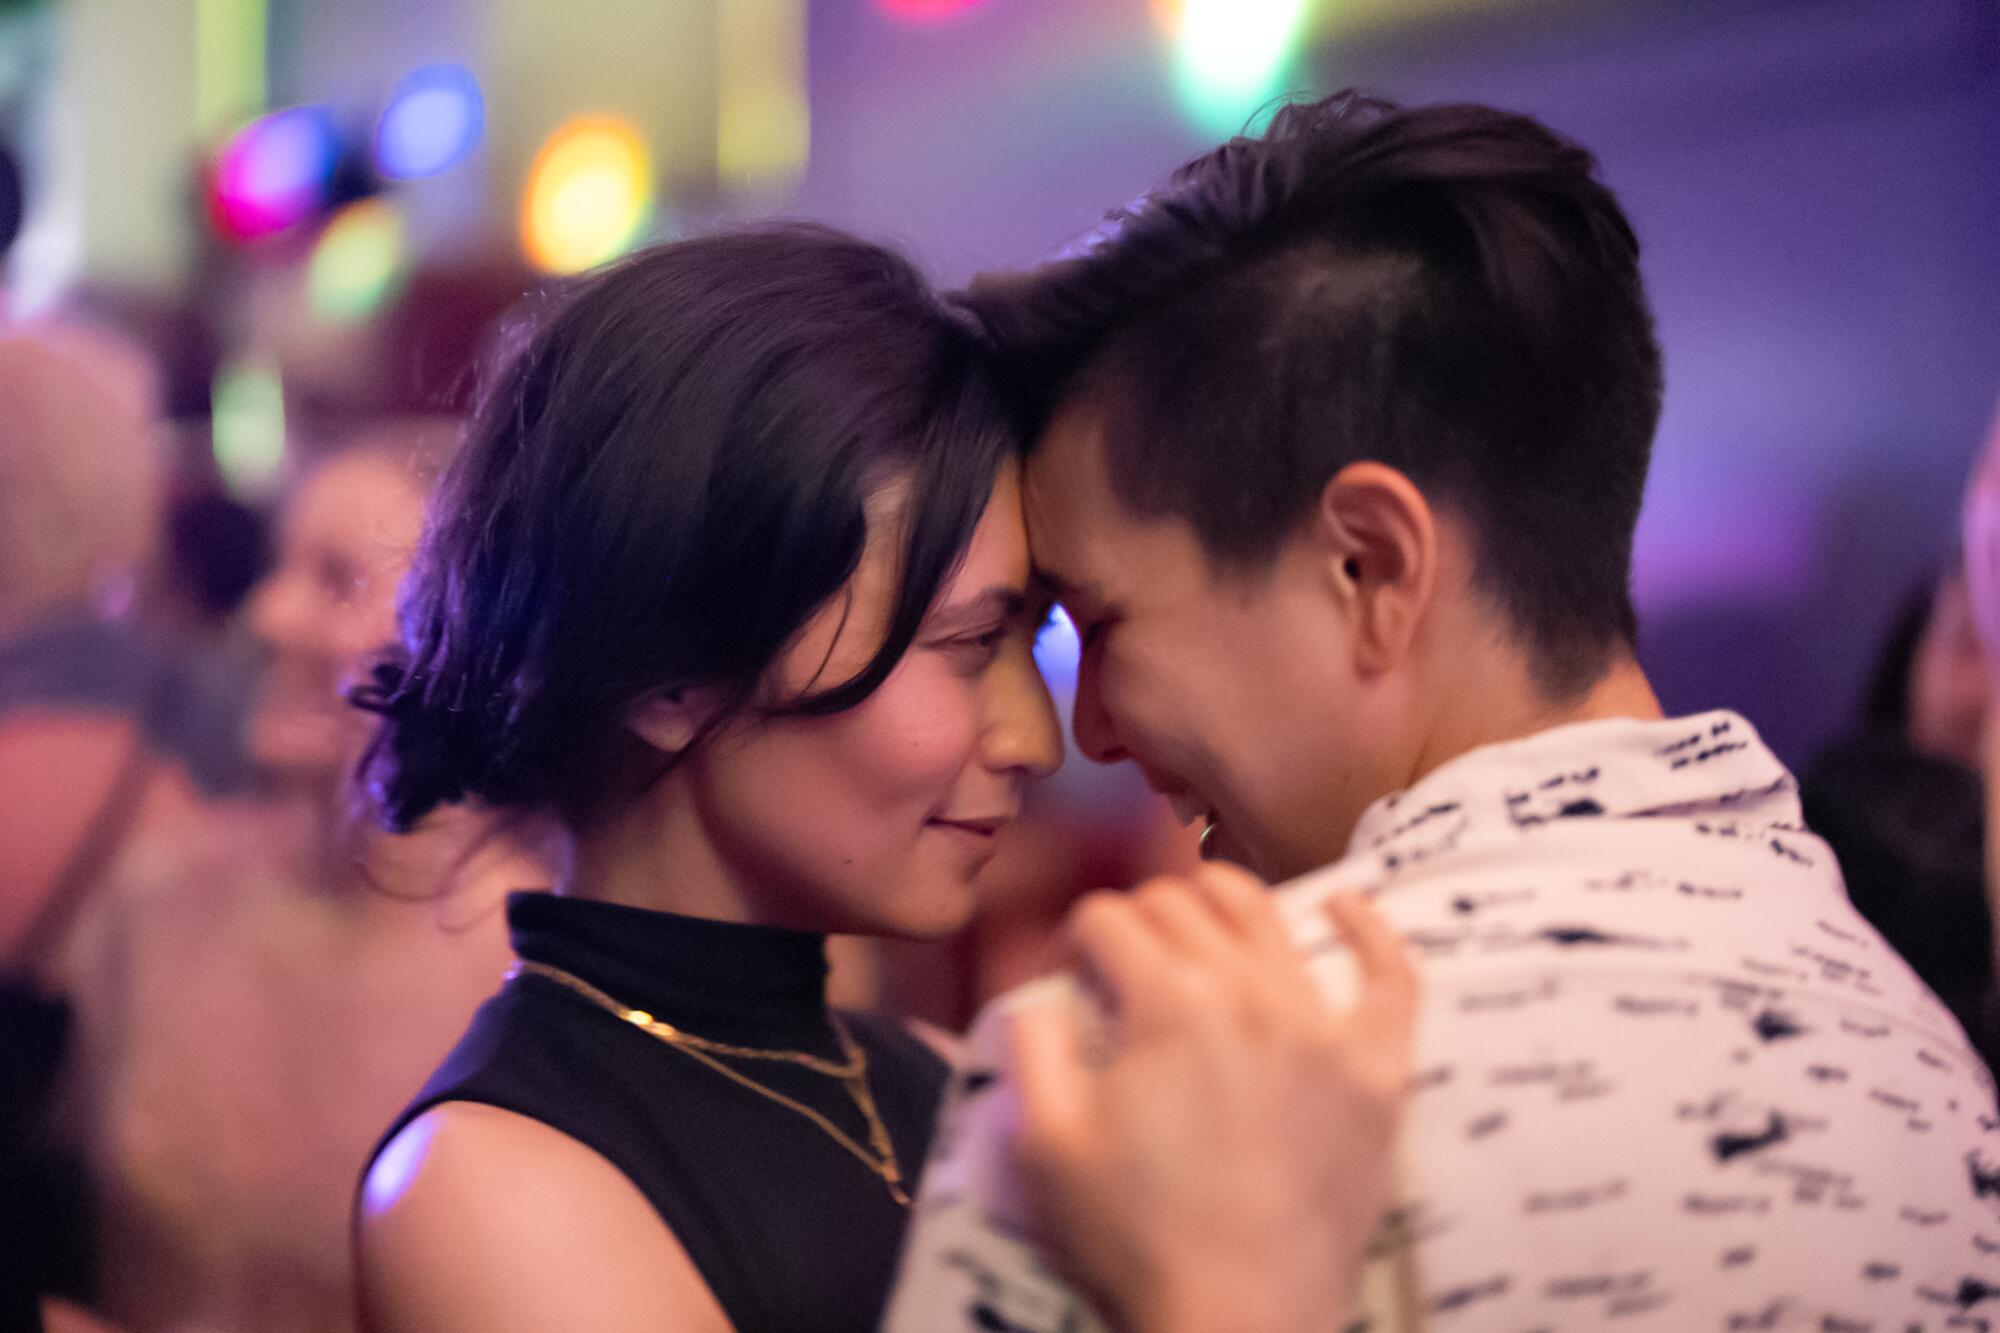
(998, 602)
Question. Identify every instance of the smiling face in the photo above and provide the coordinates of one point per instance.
(875, 820)
(329, 601)
(1238, 695)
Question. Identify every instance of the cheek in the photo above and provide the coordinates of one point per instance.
(856, 788)
(909, 741)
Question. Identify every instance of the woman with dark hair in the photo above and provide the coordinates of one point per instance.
(730, 579)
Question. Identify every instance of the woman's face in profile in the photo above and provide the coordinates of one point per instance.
(344, 544)
(876, 820)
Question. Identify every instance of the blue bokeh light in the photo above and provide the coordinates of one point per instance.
(433, 121)
(1057, 651)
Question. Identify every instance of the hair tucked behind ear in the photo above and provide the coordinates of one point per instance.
(658, 491)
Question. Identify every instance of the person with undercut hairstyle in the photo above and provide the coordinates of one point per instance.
(1341, 439)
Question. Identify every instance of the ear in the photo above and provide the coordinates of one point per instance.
(1379, 538)
(669, 720)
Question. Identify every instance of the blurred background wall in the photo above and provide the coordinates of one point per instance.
(1816, 184)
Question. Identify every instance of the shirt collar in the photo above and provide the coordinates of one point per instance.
(1617, 768)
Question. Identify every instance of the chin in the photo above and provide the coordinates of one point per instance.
(933, 914)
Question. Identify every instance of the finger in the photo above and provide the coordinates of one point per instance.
(1121, 956)
(1244, 902)
(1045, 1061)
(1387, 1002)
(1186, 924)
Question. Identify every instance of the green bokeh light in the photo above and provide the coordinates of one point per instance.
(247, 418)
(1232, 57)
(357, 263)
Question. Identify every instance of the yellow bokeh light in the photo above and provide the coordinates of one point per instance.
(590, 194)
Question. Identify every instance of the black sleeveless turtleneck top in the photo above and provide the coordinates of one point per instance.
(790, 1231)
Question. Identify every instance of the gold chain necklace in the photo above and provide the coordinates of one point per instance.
(853, 1073)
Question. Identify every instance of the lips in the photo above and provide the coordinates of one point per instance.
(985, 828)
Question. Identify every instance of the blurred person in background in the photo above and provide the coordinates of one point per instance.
(1980, 527)
(259, 988)
(1902, 801)
(214, 549)
(87, 739)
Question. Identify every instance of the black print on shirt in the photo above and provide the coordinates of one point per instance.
(1569, 937)
(1985, 1179)
(1417, 821)
(1776, 1025)
(1712, 752)
(1515, 997)
(1694, 741)
(1972, 1290)
(1768, 1317)
(1457, 1298)
(1573, 1200)
(1468, 903)
(1726, 1205)
(1728, 1145)
(1641, 1006)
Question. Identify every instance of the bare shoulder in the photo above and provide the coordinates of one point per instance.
(475, 1217)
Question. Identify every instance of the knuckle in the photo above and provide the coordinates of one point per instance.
(1098, 911)
(1232, 882)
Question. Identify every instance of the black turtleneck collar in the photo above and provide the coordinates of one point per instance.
(753, 985)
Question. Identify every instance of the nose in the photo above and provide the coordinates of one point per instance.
(1021, 732)
(1095, 735)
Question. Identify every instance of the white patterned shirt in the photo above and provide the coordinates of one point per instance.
(1667, 1078)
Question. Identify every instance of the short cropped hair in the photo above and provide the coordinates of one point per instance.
(1447, 290)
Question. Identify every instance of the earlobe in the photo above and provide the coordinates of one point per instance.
(670, 720)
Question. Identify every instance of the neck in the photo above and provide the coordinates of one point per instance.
(1507, 706)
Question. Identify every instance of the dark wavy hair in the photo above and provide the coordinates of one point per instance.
(669, 479)
(1448, 290)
